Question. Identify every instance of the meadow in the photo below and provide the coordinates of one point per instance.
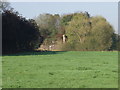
(60, 69)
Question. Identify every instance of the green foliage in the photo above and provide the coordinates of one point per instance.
(83, 32)
(102, 33)
(48, 25)
(66, 18)
(118, 43)
(89, 33)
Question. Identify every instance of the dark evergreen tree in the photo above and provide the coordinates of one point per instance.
(18, 33)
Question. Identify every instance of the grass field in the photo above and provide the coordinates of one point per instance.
(55, 69)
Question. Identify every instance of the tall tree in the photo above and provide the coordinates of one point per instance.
(102, 32)
(89, 33)
(19, 34)
(48, 25)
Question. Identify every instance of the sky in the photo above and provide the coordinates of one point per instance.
(109, 10)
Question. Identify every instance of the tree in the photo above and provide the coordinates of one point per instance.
(4, 5)
(102, 33)
(118, 43)
(78, 30)
(49, 26)
(115, 41)
(19, 34)
(89, 33)
(66, 18)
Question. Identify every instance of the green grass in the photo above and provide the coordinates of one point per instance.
(0, 72)
(72, 69)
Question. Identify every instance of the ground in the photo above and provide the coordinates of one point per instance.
(61, 69)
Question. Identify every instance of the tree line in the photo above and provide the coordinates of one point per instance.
(83, 32)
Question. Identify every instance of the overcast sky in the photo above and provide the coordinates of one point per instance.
(109, 10)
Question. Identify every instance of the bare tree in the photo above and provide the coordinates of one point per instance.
(4, 5)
